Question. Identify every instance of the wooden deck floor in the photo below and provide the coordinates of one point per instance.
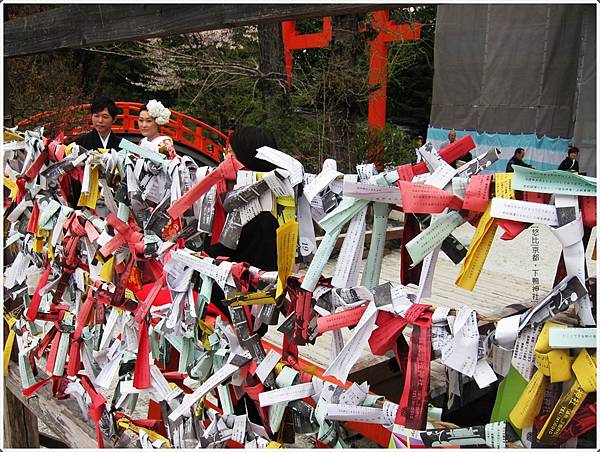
(505, 279)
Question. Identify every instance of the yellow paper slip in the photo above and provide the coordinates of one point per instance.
(90, 199)
(504, 185)
(287, 238)
(9, 135)
(478, 251)
(563, 412)
(128, 425)
(555, 364)
(285, 209)
(584, 368)
(530, 402)
(12, 186)
(38, 241)
(10, 339)
(106, 272)
(251, 299)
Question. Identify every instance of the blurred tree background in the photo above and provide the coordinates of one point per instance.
(234, 77)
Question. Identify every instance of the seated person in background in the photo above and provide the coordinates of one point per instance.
(104, 112)
(420, 142)
(451, 139)
(517, 159)
(570, 163)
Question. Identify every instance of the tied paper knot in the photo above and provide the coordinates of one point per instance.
(56, 148)
(71, 260)
(391, 327)
(227, 170)
(126, 234)
(415, 361)
(552, 363)
(241, 275)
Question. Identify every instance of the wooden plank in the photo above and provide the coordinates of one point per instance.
(87, 25)
(63, 417)
(392, 233)
(20, 425)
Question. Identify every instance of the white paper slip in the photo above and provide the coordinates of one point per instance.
(572, 337)
(17, 271)
(18, 210)
(218, 377)
(320, 182)
(355, 395)
(340, 367)
(461, 352)
(202, 266)
(307, 241)
(484, 374)
(441, 176)
(507, 330)
(523, 357)
(369, 415)
(239, 429)
(267, 365)
(284, 161)
(370, 192)
(295, 392)
(528, 212)
(349, 262)
(126, 387)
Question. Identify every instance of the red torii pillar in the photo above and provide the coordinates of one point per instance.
(292, 40)
(387, 31)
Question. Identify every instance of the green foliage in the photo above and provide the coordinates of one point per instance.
(398, 145)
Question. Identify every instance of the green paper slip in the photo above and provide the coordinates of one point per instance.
(144, 153)
(372, 271)
(434, 235)
(342, 214)
(553, 181)
(509, 392)
(320, 259)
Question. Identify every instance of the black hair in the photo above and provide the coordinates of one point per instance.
(103, 102)
(245, 141)
(573, 149)
(145, 106)
(519, 150)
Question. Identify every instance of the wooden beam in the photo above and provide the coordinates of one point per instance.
(87, 25)
(62, 417)
(20, 425)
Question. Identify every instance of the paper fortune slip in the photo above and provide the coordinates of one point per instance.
(145, 285)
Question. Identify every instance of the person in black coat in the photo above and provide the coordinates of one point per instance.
(258, 241)
(570, 163)
(517, 159)
(257, 244)
(104, 112)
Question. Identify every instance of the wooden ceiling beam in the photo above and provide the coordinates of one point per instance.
(88, 25)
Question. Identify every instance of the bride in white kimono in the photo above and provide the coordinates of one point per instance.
(153, 115)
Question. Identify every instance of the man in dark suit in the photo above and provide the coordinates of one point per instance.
(517, 159)
(104, 112)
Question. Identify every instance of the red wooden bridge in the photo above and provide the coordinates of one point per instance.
(190, 135)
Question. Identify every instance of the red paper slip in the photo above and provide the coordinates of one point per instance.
(349, 317)
(477, 195)
(421, 198)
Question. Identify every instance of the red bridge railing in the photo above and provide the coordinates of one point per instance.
(184, 129)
